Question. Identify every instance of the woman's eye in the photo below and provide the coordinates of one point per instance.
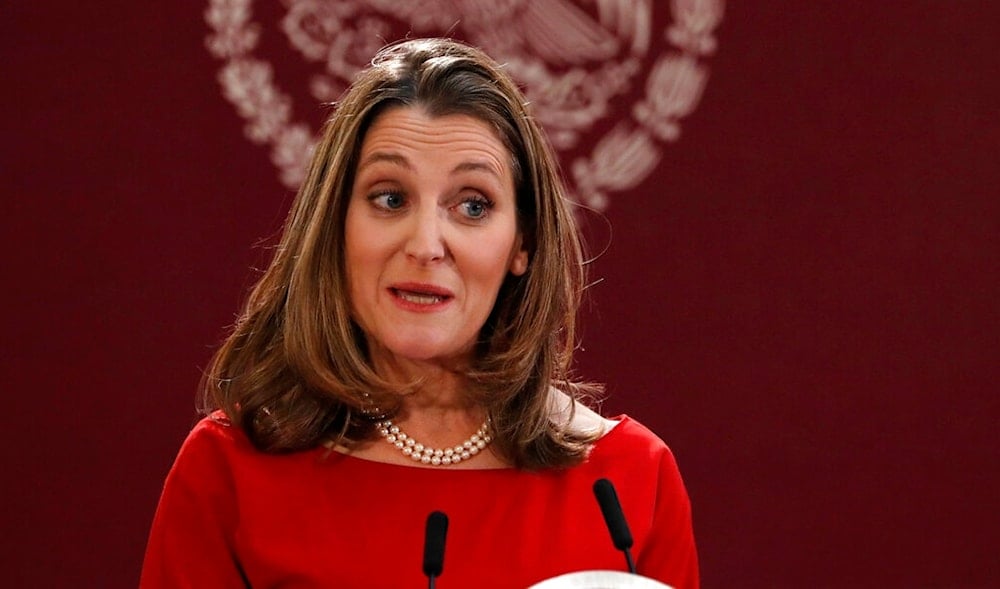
(476, 208)
(389, 201)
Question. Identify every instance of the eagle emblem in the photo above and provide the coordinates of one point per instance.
(609, 89)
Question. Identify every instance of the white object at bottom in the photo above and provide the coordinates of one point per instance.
(599, 580)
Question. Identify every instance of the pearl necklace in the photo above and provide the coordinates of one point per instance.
(433, 456)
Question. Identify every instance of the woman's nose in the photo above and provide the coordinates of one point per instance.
(425, 241)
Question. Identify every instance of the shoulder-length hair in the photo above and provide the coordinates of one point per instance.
(295, 370)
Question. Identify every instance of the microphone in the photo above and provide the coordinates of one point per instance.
(435, 532)
(607, 498)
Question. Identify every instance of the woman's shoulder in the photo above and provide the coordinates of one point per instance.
(214, 434)
(632, 442)
(214, 427)
(631, 434)
(581, 418)
(615, 438)
(632, 454)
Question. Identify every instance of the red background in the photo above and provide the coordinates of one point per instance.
(801, 300)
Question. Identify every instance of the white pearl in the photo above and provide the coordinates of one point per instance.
(433, 456)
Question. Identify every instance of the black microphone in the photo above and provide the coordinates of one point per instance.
(607, 498)
(437, 529)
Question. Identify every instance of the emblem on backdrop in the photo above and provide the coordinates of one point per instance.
(610, 80)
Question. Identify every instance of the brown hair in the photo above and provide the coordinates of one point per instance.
(295, 372)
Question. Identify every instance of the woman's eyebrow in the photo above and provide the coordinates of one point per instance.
(401, 161)
(385, 156)
(477, 166)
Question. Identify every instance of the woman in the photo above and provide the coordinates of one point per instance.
(423, 297)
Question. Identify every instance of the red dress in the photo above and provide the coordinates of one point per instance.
(231, 516)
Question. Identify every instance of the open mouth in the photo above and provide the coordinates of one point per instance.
(418, 297)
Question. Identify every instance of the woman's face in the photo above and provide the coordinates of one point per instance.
(430, 235)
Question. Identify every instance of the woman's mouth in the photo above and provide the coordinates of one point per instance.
(417, 297)
(420, 295)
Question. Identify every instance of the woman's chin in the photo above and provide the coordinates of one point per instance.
(426, 350)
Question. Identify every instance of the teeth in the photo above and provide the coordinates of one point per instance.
(420, 299)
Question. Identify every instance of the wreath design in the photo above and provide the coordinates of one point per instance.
(574, 65)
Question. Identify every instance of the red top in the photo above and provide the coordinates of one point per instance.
(231, 516)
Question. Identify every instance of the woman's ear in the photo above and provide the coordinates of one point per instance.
(519, 261)
(519, 264)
